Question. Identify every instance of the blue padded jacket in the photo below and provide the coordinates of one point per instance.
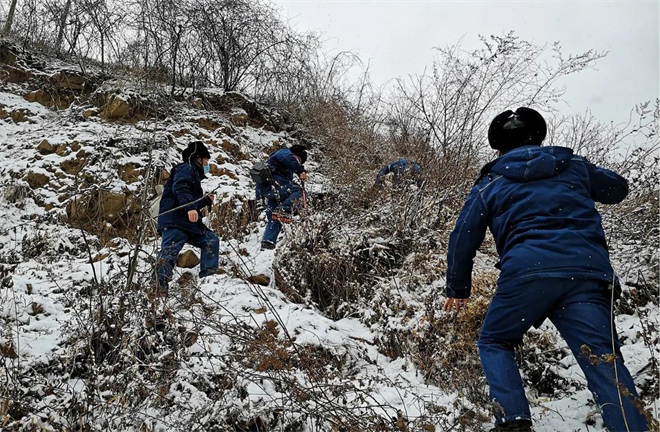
(183, 186)
(400, 169)
(283, 165)
(538, 203)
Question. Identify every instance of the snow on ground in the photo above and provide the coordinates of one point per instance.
(44, 282)
(39, 304)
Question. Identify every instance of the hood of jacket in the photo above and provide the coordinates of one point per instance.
(531, 163)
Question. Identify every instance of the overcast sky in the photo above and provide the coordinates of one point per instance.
(397, 38)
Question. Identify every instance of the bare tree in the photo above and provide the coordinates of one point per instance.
(452, 103)
(10, 18)
(240, 37)
(623, 146)
(105, 26)
(62, 25)
(232, 44)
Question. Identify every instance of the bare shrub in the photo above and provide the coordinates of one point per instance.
(453, 104)
(106, 214)
(15, 194)
(231, 219)
(333, 275)
(236, 45)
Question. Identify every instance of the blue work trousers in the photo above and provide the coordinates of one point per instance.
(580, 309)
(280, 198)
(173, 241)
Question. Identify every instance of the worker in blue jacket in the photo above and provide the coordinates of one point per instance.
(539, 204)
(281, 195)
(180, 218)
(402, 170)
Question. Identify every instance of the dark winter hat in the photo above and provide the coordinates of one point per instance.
(511, 129)
(299, 151)
(194, 150)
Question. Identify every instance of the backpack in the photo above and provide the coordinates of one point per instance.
(260, 173)
(154, 203)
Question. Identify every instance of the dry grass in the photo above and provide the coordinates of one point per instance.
(231, 219)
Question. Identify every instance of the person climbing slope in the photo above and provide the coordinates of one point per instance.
(281, 194)
(539, 203)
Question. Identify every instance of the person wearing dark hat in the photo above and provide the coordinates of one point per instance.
(180, 219)
(281, 194)
(539, 204)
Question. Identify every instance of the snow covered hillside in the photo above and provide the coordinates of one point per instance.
(266, 345)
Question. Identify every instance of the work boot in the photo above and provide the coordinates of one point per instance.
(269, 245)
(514, 426)
(212, 271)
(282, 216)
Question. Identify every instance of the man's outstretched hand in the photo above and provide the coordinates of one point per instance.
(458, 303)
